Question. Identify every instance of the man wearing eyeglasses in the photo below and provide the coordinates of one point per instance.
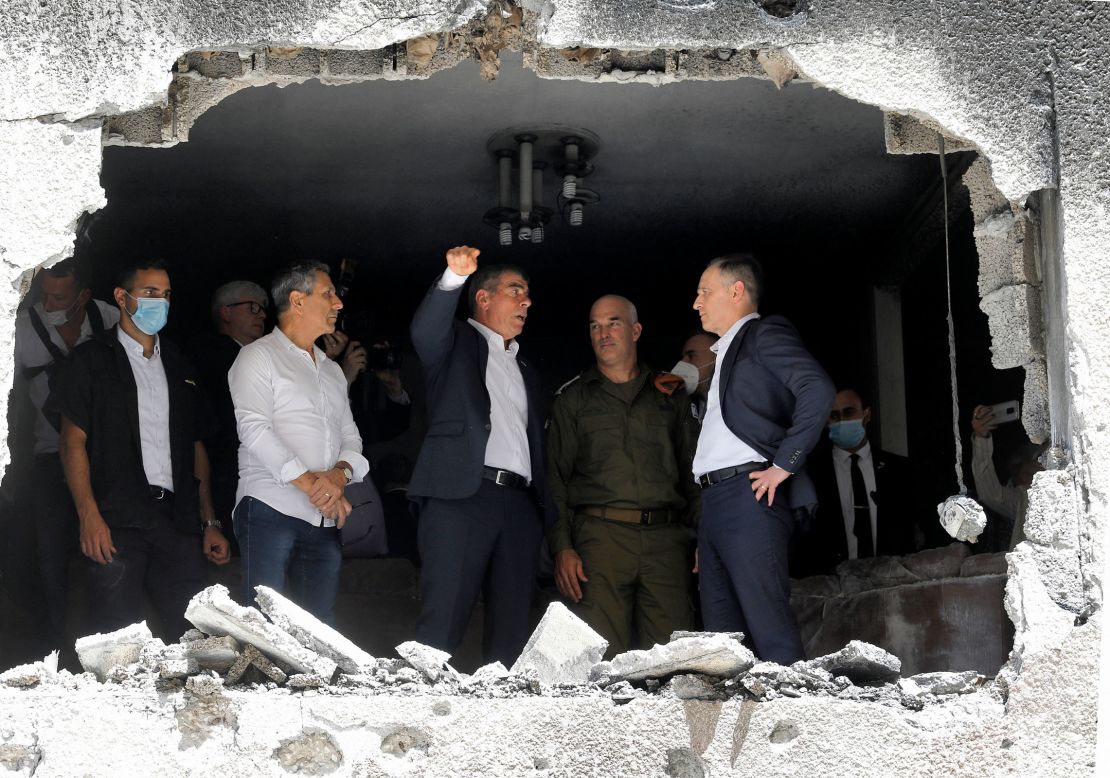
(132, 423)
(239, 318)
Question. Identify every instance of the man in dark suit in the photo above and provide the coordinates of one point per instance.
(768, 402)
(863, 508)
(480, 474)
(132, 421)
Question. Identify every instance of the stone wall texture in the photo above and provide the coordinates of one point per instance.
(1027, 84)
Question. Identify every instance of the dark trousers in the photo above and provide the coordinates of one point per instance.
(165, 563)
(56, 532)
(275, 547)
(487, 543)
(743, 573)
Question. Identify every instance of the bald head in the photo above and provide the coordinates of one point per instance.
(614, 330)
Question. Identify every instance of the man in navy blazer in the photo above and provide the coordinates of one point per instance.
(768, 403)
(480, 474)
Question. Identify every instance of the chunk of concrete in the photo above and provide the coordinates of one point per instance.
(312, 633)
(490, 673)
(431, 662)
(861, 662)
(962, 518)
(941, 683)
(716, 654)
(32, 674)
(252, 657)
(695, 687)
(99, 653)
(213, 612)
(218, 653)
(562, 649)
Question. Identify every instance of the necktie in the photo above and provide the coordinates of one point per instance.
(862, 526)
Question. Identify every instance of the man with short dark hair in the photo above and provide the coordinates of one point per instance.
(697, 352)
(768, 402)
(299, 447)
(618, 461)
(864, 505)
(479, 475)
(64, 317)
(132, 421)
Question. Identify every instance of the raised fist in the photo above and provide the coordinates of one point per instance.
(463, 260)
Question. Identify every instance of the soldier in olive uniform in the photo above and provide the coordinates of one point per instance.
(619, 453)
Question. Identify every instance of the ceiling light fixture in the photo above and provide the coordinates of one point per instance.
(566, 150)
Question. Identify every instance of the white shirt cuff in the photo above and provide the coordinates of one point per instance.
(450, 280)
(360, 465)
(292, 469)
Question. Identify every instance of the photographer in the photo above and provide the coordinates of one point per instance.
(1010, 499)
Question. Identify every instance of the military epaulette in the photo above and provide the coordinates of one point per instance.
(559, 391)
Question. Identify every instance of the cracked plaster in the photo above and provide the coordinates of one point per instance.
(1026, 84)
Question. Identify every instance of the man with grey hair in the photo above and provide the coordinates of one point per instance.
(239, 317)
(619, 451)
(295, 430)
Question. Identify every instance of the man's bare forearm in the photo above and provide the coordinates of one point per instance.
(202, 471)
(75, 464)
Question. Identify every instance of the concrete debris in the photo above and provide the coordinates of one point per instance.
(252, 657)
(779, 67)
(217, 653)
(490, 673)
(623, 692)
(683, 633)
(98, 653)
(430, 661)
(562, 649)
(696, 687)
(28, 675)
(214, 612)
(305, 681)
(962, 518)
(204, 685)
(941, 683)
(312, 633)
(714, 654)
(861, 662)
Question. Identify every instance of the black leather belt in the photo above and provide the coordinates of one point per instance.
(706, 480)
(504, 478)
(630, 515)
(161, 494)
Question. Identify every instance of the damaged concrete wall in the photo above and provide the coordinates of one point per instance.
(1025, 84)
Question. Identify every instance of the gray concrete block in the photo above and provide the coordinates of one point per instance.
(1004, 244)
(301, 62)
(99, 653)
(216, 653)
(214, 612)
(716, 654)
(312, 633)
(215, 64)
(562, 649)
(431, 662)
(1034, 404)
(984, 564)
(907, 134)
(359, 64)
(942, 683)
(1014, 318)
(861, 662)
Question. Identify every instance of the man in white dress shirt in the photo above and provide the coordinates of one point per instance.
(132, 420)
(480, 475)
(298, 447)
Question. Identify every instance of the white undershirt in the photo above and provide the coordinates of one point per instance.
(717, 446)
(507, 447)
(154, 409)
(842, 465)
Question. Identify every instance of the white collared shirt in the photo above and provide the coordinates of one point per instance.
(507, 447)
(717, 446)
(153, 393)
(842, 465)
(30, 353)
(293, 416)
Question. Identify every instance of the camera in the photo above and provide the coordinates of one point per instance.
(385, 358)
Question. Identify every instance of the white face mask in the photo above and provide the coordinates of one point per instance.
(689, 375)
(55, 318)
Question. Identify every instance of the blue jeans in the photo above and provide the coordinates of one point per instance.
(274, 546)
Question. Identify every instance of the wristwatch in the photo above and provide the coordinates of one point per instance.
(211, 523)
(348, 475)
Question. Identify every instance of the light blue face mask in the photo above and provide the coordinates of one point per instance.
(151, 313)
(847, 434)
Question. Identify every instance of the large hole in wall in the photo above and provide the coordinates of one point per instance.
(390, 173)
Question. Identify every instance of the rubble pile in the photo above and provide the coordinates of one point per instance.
(281, 647)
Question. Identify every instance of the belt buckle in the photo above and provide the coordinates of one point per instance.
(497, 478)
(158, 492)
(645, 518)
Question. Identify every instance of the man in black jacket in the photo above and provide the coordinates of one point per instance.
(863, 495)
(768, 402)
(132, 420)
(480, 474)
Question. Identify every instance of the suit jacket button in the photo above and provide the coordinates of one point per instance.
(488, 426)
